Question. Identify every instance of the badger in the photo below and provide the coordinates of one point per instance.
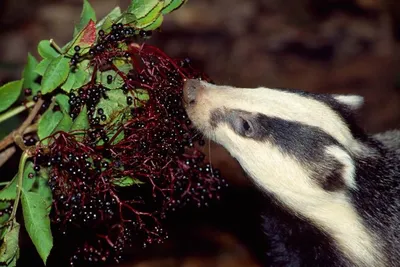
(334, 189)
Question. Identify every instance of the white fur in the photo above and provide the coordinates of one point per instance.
(352, 101)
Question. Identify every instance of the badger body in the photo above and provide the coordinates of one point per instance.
(332, 191)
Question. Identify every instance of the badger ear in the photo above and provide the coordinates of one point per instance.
(354, 102)
(344, 166)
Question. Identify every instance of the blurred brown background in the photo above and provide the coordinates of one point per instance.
(330, 46)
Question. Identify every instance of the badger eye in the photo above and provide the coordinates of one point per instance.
(247, 127)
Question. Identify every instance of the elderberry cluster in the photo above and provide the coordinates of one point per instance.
(89, 96)
(118, 33)
(109, 194)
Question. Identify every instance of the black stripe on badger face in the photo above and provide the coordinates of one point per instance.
(304, 142)
(347, 112)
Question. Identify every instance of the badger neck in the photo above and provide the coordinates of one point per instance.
(376, 197)
(333, 213)
(340, 221)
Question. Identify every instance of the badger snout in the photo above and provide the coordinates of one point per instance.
(191, 88)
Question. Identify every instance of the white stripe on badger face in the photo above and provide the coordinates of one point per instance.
(289, 181)
(275, 103)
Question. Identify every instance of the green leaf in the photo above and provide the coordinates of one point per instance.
(112, 132)
(42, 66)
(47, 123)
(126, 182)
(3, 232)
(4, 205)
(69, 83)
(114, 105)
(13, 262)
(171, 5)
(36, 211)
(64, 125)
(121, 63)
(5, 216)
(9, 93)
(129, 19)
(142, 94)
(111, 18)
(85, 38)
(56, 73)
(10, 191)
(155, 25)
(62, 101)
(140, 8)
(87, 14)
(151, 17)
(9, 248)
(4, 219)
(77, 78)
(29, 73)
(116, 109)
(43, 188)
(35, 89)
(27, 183)
(167, 3)
(45, 50)
(82, 121)
(81, 77)
(117, 81)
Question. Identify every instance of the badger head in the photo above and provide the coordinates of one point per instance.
(279, 135)
(299, 147)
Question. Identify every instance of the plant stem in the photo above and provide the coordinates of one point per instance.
(21, 167)
(31, 116)
(4, 183)
(16, 136)
(31, 128)
(56, 47)
(16, 111)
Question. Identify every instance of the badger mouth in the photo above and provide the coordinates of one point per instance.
(195, 106)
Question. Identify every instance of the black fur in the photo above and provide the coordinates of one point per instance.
(332, 180)
(378, 197)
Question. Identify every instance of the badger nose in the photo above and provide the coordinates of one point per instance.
(191, 88)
